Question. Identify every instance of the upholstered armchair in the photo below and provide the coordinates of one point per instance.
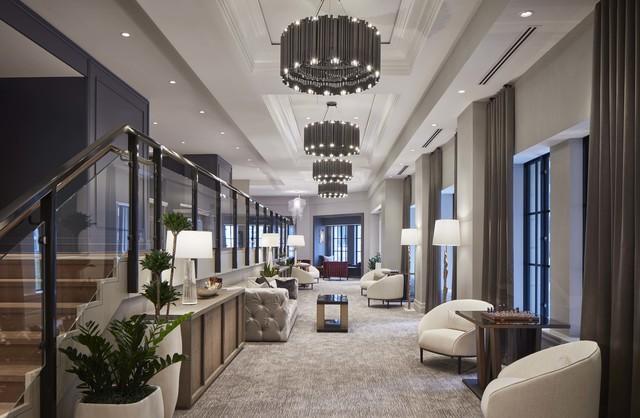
(315, 273)
(386, 289)
(369, 278)
(442, 331)
(561, 381)
(304, 277)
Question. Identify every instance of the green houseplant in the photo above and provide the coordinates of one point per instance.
(373, 260)
(176, 223)
(114, 376)
(157, 291)
(269, 270)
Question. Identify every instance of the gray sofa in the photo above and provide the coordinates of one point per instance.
(269, 314)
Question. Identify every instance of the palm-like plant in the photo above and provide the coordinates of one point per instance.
(158, 292)
(120, 373)
(176, 223)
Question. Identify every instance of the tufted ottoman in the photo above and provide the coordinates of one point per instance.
(269, 314)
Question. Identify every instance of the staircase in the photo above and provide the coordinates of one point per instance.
(79, 284)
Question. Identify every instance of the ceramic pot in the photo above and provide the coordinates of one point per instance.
(169, 379)
(151, 406)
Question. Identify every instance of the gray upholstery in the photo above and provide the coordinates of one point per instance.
(269, 314)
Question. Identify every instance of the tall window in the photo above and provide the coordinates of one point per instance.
(357, 243)
(228, 236)
(537, 217)
(339, 242)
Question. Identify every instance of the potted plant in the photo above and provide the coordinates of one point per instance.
(115, 376)
(161, 293)
(176, 223)
(373, 261)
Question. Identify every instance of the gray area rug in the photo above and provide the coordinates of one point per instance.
(372, 371)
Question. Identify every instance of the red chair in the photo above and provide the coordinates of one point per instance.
(338, 269)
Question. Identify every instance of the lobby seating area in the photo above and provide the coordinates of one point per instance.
(284, 208)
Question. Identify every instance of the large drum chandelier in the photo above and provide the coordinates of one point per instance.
(332, 170)
(332, 190)
(331, 138)
(330, 55)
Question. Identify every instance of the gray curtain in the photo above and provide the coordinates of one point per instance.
(611, 284)
(406, 223)
(497, 264)
(433, 295)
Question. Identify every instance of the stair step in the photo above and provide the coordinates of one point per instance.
(20, 347)
(6, 407)
(12, 381)
(65, 268)
(68, 290)
(28, 315)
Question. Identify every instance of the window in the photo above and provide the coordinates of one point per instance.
(537, 217)
(339, 242)
(357, 243)
(291, 230)
(228, 236)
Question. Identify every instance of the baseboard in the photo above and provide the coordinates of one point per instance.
(419, 306)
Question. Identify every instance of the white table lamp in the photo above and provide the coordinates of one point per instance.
(295, 241)
(270, 240)
(190, 245)
(446, 233)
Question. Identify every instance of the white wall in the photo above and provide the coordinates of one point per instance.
(392, 223)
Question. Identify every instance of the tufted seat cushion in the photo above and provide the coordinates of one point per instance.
(269, 314)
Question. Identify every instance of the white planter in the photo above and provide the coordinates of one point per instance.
(151, 406)
(169, 379)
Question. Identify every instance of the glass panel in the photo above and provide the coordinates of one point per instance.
(242, 228)
(177, 190)
(227, 240)
(207, 196)
(21, 284)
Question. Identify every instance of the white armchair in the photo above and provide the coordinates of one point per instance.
(386, 289)
(442, 331)
(369, 278)
(562, 381)
(304, 277)
(315, 273)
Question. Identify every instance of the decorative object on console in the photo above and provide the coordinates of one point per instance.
(332, 170)
(190, 245)
(158, 291)
(330, 55)
(408, 236)
(331, 138)
(175, 223)
(211, 287)
(270, 240)
(295, 241)
(446, 233)
(332, 190)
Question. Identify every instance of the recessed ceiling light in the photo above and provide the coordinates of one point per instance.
(202, 112)
(308, 118)
(182, 142)
(462, 91)
(172, 81)
(155, 123)
(249, 159)
(221, 132)
(434, 124)
(526, 13)
(125, 34)
(412, 150)
(237, 147)
(356, 118)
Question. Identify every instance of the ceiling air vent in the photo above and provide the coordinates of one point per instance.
(432, 137)
(402, 170)
(508, 53)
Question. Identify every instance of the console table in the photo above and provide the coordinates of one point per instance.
(211, 340)
(488, 347)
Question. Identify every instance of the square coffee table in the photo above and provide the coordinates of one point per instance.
(332, 325)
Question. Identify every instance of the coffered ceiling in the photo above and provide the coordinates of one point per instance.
(224, 57)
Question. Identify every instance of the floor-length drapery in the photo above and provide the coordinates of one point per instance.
(611, 285)
(406, 223)
(433, 295)
(497, 260)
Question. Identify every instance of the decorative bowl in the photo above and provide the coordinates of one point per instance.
(212, 286)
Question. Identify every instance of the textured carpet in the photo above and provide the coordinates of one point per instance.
(372, 371)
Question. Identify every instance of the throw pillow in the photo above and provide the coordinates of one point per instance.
(253, 284)
(291, 285)
(377, 275)
(261, 280)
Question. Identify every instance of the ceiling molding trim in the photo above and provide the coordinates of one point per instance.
(374, 131)
(229, 14)
(279, 107)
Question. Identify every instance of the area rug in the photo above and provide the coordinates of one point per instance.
(373, 370)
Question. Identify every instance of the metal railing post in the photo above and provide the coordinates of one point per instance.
(48, 377)
(157, 199)
(134, 170)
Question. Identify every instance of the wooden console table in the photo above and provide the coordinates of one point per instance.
(489, 349)
(211, 340)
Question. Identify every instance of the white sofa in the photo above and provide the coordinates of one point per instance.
(442, 331)
(562, 381)
(304, 277)
(386, 289)
(269, 314)
(368, 279)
